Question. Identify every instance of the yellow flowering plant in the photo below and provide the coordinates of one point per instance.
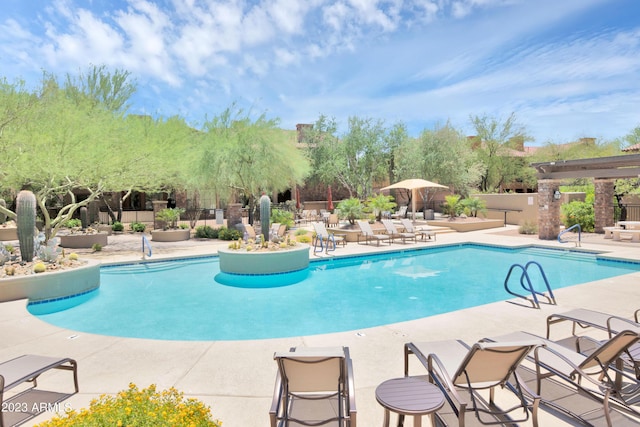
(139, 408)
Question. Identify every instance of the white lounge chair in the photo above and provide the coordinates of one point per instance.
(419, 231)
(394, 233)
(369, 236)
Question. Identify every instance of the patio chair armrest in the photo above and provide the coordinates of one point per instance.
(626, 324)
(351, 389)
(276, 401)
(636, 315)
(576, 370)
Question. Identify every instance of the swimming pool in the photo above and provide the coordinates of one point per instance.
(180, 300)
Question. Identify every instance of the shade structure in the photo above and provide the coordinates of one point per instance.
(414, 184)
(329, 199)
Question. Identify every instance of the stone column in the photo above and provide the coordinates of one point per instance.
(548, 209)
(234, 215)
(158, 205)
(603, 205)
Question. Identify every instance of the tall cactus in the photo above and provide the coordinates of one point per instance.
(3, 216)
(265, 213)
(26, 222)
(84, 217)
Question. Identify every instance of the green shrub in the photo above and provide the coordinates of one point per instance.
(452, 205)
(73, 223)
(97, 247)
(206, 232)
(117, 226)
(303, 239)
(474, 205)
(170, 216)
(578, 213)
(282, 217)
(138, 227)
(134, 407)
(379, 203)
(301, 232)
(229, 234)
(184, 226)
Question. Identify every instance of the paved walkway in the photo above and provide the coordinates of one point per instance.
(236, 377)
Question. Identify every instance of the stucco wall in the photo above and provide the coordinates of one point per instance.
(527, 203)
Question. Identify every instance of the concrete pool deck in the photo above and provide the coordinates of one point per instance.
(235, 378)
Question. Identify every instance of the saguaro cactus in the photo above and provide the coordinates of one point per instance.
(265, 213)
(26, 223)
(84, 217)
(3, 217)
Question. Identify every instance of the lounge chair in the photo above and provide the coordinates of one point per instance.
(585, 318)
(394, 233)
(409, 227)
(368, 235)
(33, 401)
(596, 375)
(248, 231)
(314, 387)
(326, 240)
(456, 367)
(401, 213)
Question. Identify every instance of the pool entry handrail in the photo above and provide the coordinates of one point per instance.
(145, 242)
(525, 282)
(573, 227)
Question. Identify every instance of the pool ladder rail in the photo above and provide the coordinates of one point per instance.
(573, 227)
(145, 242)
(527, 285)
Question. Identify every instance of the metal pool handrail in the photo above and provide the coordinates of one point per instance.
(145, 242)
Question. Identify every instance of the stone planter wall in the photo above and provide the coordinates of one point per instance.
(51, 284)
(8, 233)
(83, 241)
(170, 235)
(273, 262)
(468, 226)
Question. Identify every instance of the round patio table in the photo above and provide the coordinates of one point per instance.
(409, 396)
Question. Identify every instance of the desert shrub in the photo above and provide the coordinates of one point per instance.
(301, 232)
(474, 205)
(206, 232)
(97, 247)
(138, 227)
(528, 227)
(282, 217)
(184, 226)
(229, 234)
(578, 213)
(304, 239)
(350, 209)
(73, 223)
(135, 407)
(117, 226)
(452, 205)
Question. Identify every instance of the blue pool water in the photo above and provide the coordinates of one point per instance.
(181, 300)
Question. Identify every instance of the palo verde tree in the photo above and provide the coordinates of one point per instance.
(493, 144)
(247, 156)
(356, 159)
(440, 155)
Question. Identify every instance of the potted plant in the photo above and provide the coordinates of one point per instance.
(170, 231)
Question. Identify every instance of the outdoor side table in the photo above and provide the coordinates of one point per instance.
(409, 396)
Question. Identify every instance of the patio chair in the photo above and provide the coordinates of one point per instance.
(400, 213)
(324, 239)
(419, 231)
(585, 318)
(596, 375)
(462, 372)
(314, 387)
(394, 233)
(249, 231)
(369, 235)
(32, 401)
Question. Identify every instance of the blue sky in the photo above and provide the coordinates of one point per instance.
(566, 68)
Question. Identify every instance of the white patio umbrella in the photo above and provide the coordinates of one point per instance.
(414, 185)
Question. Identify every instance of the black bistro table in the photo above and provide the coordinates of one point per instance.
(409, 396)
